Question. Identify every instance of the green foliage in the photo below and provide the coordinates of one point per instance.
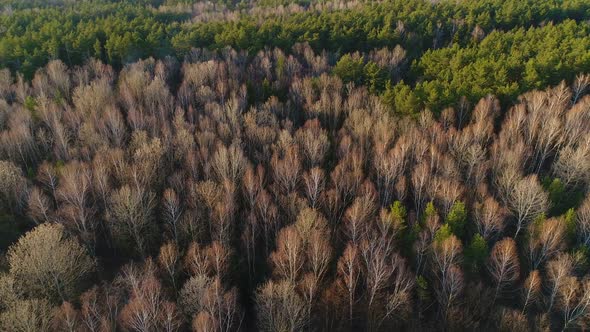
(398, 212)
(569, 219)
(536, 225)
(457, 218)
(544, 56)
(408, 234)
(375, 77)
(401, 98)
(59, 166)
(127, 30)
(443, 233)
(122, 31)
(280, 67)
(556, 190)
(539, 219)
(350, 69)
(430, 210)
(476, 253)
(422, 288)
(582, 257)
(97, 49)
(30, 103)
(30, 173)
(407, 239)
(562, 198)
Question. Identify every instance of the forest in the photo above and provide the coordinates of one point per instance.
(279, 165)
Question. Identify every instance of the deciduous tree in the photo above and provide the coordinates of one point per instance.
(503, 265)
(47, 263)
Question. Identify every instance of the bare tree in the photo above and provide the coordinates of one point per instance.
(288, 259)
(583, 222)
(203, 322)
(318, 253)
(229, 163)
(389, 167)
(399, 300)
(169, 259)
(53, 81)
(18, 142)
(280, 308)
(574, 301)
(252, 183)
(449, 291)
(575, 128)
(445, 257)
(222, 214)
(313, 141)
(66, 318)
(196, 260)
(39, 206)
(503, 265)
(13, 187)
(286, 170)
(147, 159)
(348, 176)
(6, 80)
(356, 218)
(192, 295)
(545, 130)
(505, 181)
(147, 309)
(222, 305)
(268, 214)
(130, 216)
(545, 240)
(314, 184)
(169, 317)
(27, 315)
(558, 270)
(447, 193)
(49, 177)
(375, 256)
(309, 286)
(100, 308)
(531, 290)
(250, 238)
(349, 273)
(572, 165)
(420, 180)
(527, 201)
(392, 59)
(421, 248)
(219, 257)
(76, 208)
(93, 98)
(489, 218)
(172, 212)
(579, 86)
(512, 320)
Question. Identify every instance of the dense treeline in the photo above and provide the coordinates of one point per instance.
(458, 49)
(503, 63)
(280, 165)
(236, 192)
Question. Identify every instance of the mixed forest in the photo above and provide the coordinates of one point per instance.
(280, 165)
